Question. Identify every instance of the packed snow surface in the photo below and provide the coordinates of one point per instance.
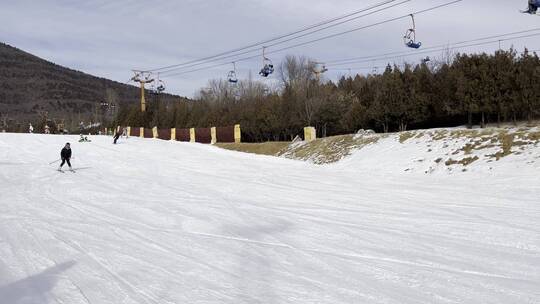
(150, 221)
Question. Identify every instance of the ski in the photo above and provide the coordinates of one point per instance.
(527, 12)
(81, 168)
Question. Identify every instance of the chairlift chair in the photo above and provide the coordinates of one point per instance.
(161, 86)
(232, 75)
(267, 69)
(268, 66)
(320, 68)
(158, 86)
(410, 36)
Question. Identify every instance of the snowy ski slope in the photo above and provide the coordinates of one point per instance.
(149, 221)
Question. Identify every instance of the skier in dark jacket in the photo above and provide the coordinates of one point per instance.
(117, 136)
(65, 154)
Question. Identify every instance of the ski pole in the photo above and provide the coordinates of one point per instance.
(54, 162)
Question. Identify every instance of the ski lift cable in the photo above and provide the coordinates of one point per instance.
(363, 27)
(429, 50)
(438, 50)
(212, 66)
(369, 68)
(257, 44)
(321, 38)
(334, 62)
(425, 51)
(433, 51)
(366, 26)
(338, 34)
(336, 24)
(250, 49)
(405, 64)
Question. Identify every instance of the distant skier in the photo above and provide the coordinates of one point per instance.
(65, 155)
(117, 136)
(30, 129)
(84, 139)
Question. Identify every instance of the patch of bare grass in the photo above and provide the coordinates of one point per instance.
(267, 148)
(328, 150)
(465, 161)
(404, 136)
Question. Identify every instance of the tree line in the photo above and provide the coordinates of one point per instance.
(459, 89)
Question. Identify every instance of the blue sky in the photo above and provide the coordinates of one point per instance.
(109, 38)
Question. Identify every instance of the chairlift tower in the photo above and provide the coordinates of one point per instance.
(142, 78)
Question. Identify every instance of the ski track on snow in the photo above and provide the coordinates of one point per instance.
(151, 221)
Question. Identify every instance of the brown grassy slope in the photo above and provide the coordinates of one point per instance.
(267, 148)
(457, 146)
(319, 151)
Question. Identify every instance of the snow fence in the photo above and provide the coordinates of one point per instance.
(231, 134)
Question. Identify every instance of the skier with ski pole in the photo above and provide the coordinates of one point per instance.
(65, 155)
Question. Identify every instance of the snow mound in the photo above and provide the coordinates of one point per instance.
(452, 150)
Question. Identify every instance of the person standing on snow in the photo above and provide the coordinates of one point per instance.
(117, 136)
(65, 155)
(30, 129)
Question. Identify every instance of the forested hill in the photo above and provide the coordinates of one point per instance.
(30, 85)
(454, 90)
